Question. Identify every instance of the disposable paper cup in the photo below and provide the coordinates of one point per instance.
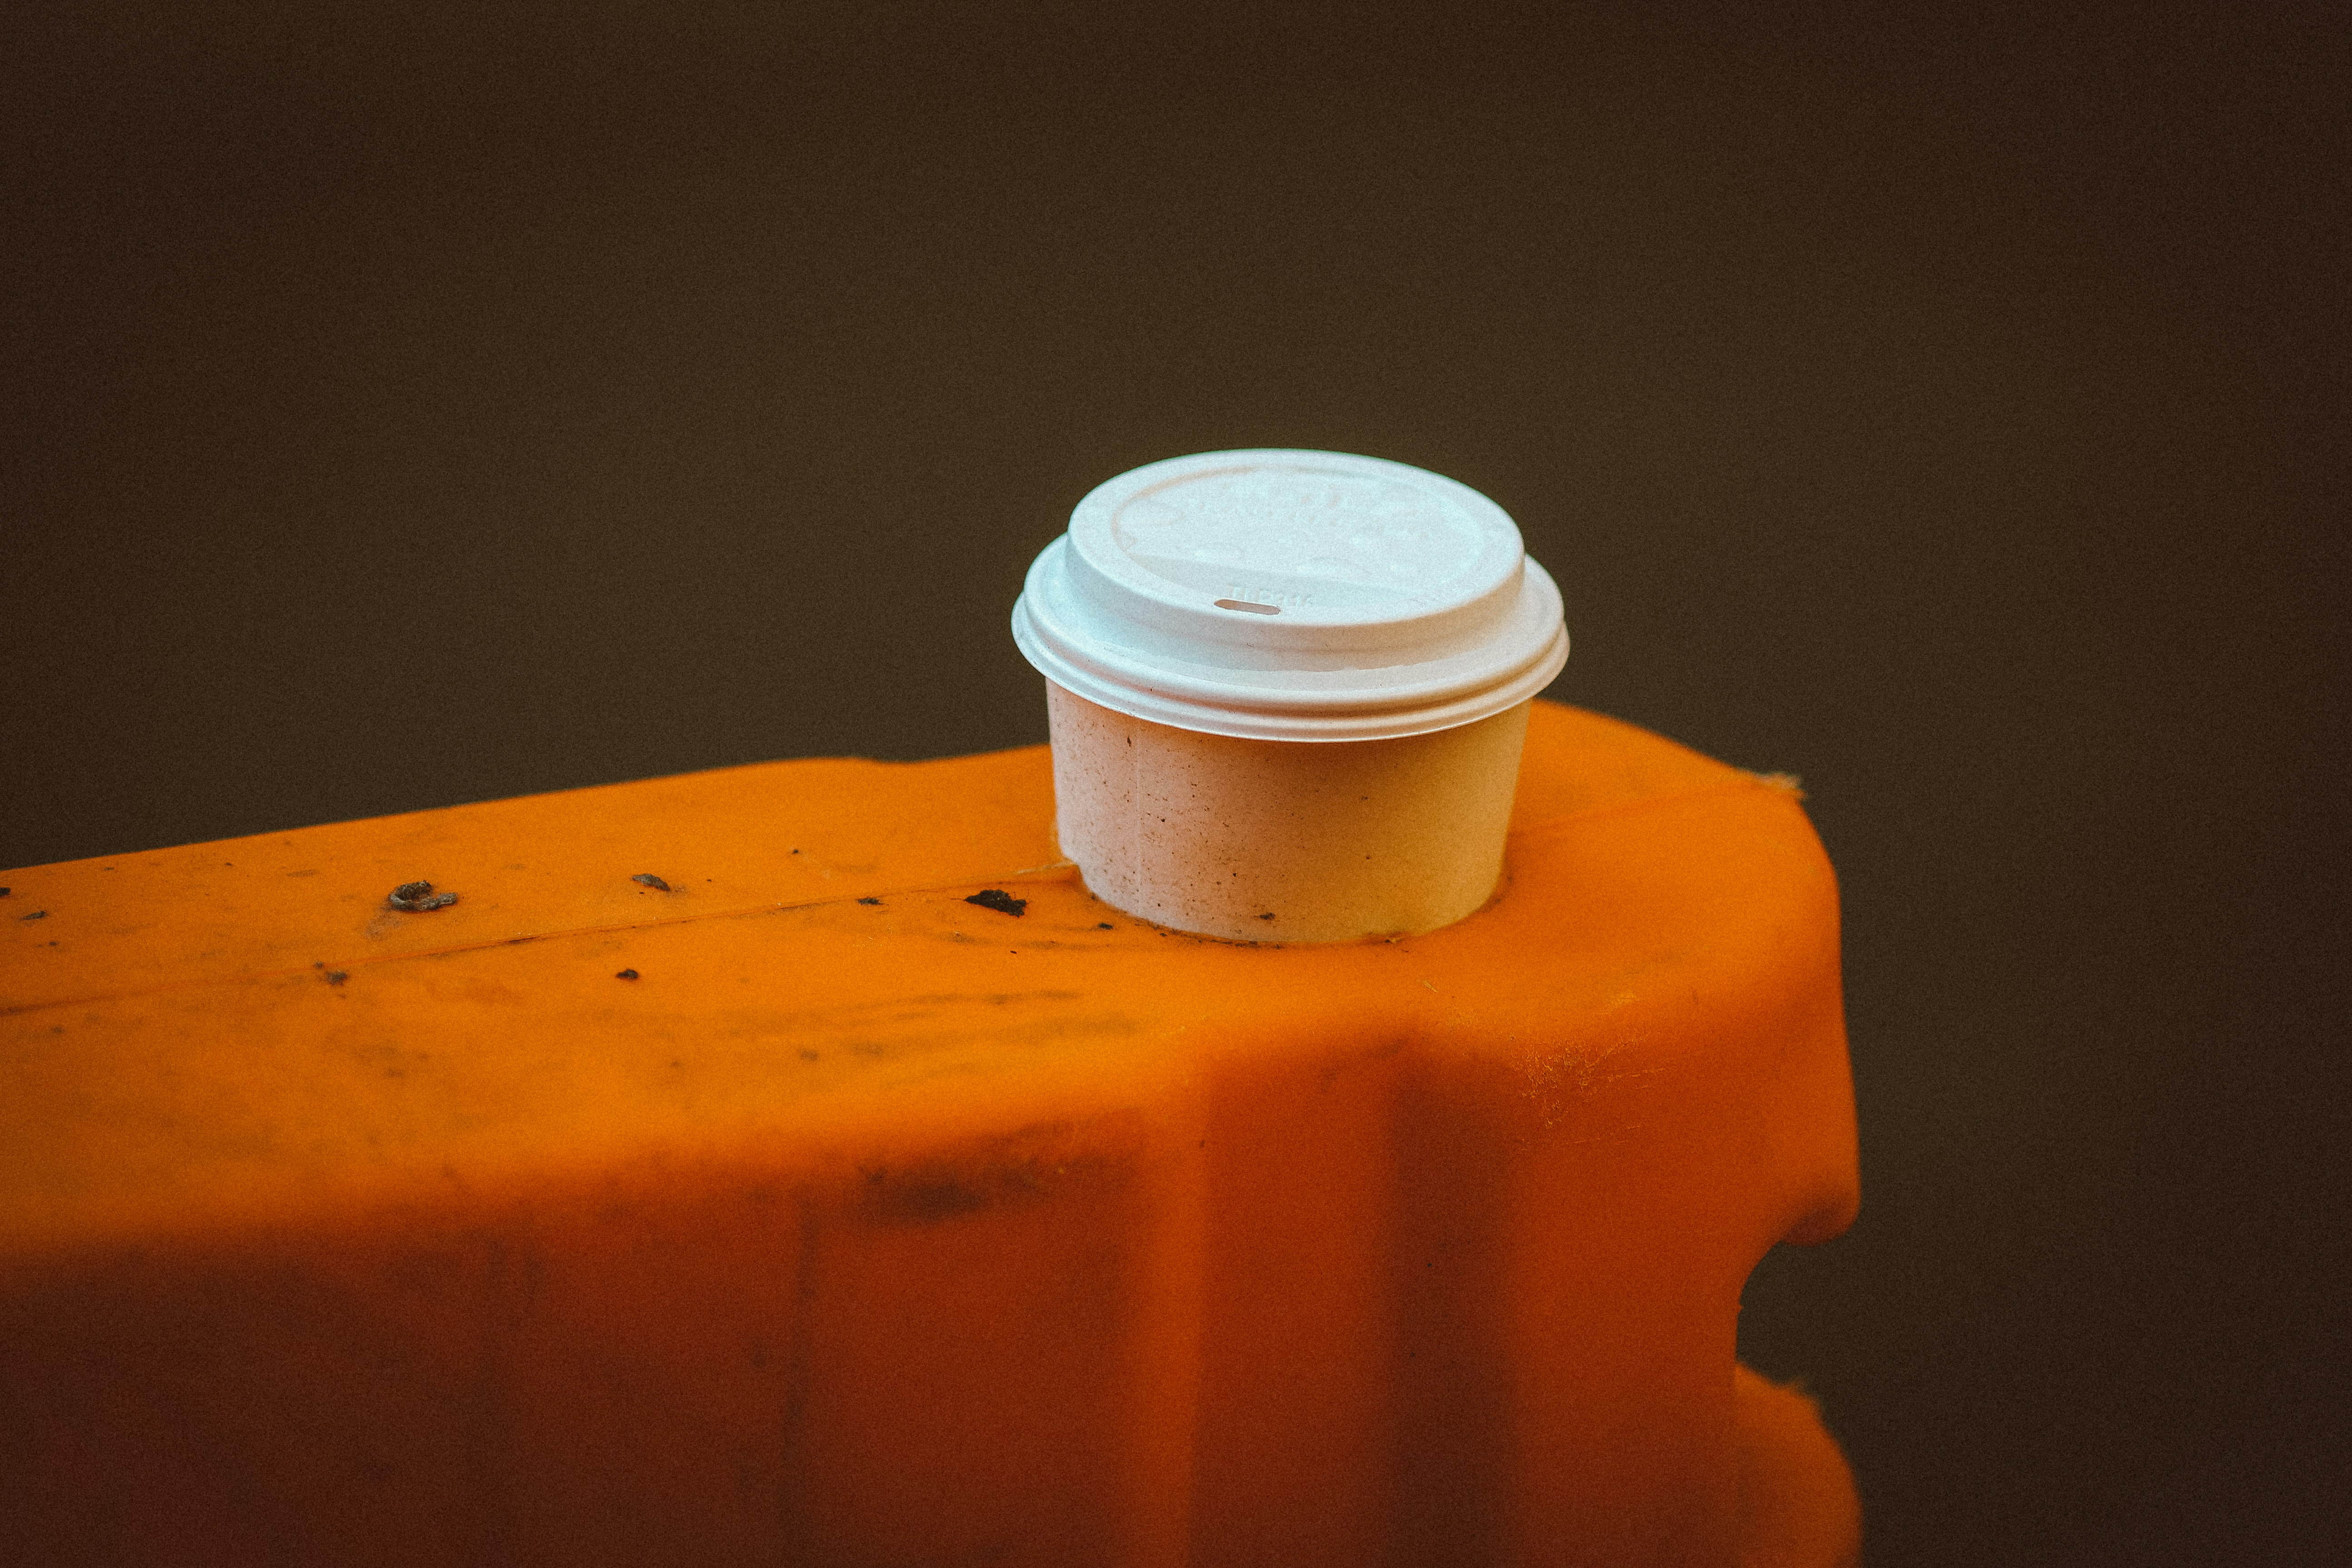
(1288, 691)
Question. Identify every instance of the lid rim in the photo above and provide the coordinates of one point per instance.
(1328, 726)
(1259, 713)
(1447, 672)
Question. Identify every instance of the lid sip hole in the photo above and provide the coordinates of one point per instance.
(1245, 604)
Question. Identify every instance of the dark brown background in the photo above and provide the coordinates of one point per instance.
(408, 405)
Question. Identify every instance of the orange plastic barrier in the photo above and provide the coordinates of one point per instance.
(799, 1208)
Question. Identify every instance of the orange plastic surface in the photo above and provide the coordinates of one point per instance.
(871, 1226)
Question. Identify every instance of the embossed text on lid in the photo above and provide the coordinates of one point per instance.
(1303, 536)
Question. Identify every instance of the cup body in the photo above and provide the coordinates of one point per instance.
(1258, 840)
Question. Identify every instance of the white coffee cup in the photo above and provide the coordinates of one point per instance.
(1288, 691)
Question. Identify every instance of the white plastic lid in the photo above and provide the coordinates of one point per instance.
(1288, 595)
